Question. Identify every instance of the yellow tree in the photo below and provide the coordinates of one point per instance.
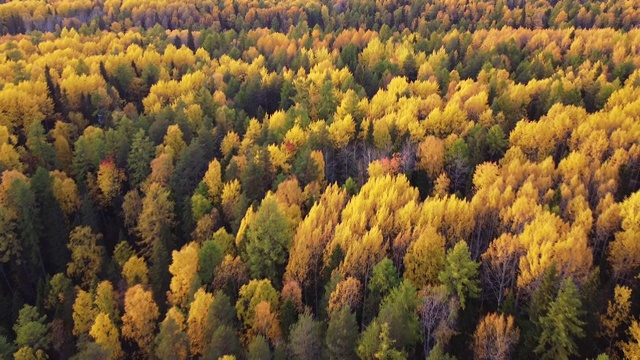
(363, 255)
(266, 323)
(65, 191)
(110, 179)
(500, 266)
(197, 324)
(425, 258)
(495, 337)
(135, 271)
(624, 251)
(548, 240)
(312, 236)
(631, 348)
(84, 313)
(431, 156)
(251, 295)
(140, 315)
(86, 255)
(105, 334)
(173, 142)
(342, 130)
(185, 280)
(348, 292)
(213, 179)
(156, 218)
(617, 314)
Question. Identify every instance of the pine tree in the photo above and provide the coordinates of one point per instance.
(342, 334)
(562, 325)
(460, 273)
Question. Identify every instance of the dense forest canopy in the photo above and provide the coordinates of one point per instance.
(319, 179)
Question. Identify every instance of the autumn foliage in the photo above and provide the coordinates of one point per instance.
(312, 179)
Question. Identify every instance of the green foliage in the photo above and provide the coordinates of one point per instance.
(6, 348)
(496, 142)
(342, 334)
(268, 238)
(224, 341)
(221, 312)
(460, 273)
(376, 343)
(170, 341)
(31, 329)
(251, 295)
(305, 339)
(209, 257)
(438, 353)
(259, 349)
(562, 325)
(398, 312)
(383, 281)
(140, 156)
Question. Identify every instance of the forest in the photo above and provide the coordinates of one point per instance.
(322, 179)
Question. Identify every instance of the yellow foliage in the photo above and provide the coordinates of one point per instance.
(185, 280)
(342, 131)
(197, 321)
(213, 179)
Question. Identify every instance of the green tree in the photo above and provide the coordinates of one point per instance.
(88, 151)
(562, 325)
(54, 233)
(6, 348)
(305, 338)
(209, 257)
(539, 304)
(460, 273)
(223, 341)
(497, 142)
(154, 227)
(140, 155)
(383, 281)
(438, 353)
(9, 245)
(27, 229)
(286, 94)
(349, 56)
(41, 152)
(458, 164)
(328, 101)
(259, 349)
(386, 351)
(221, 312)
(398, 311)
(410, 68)
(342, 334)
(376, 343)
(106, 302)
(255, 179)
(268, 238)
(369, 341)
(171, 342)
(31, 329)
